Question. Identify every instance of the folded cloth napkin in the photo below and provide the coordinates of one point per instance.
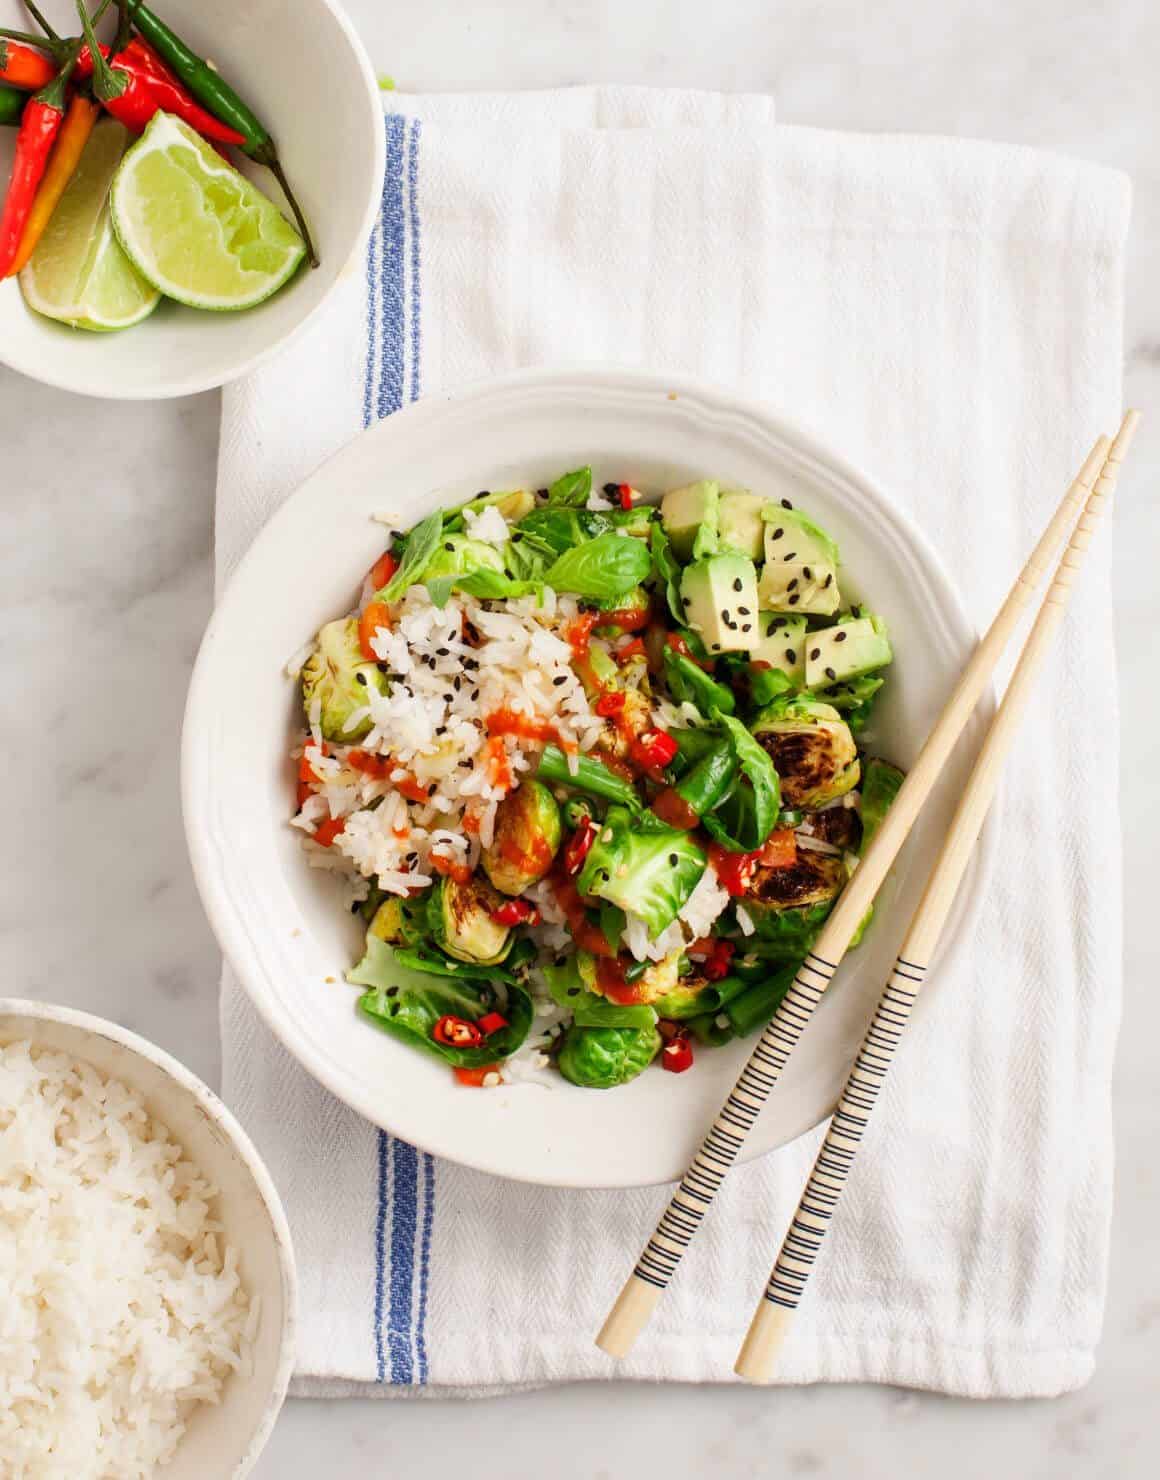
(948, 315)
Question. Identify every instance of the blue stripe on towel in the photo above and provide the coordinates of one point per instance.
(401, 1250)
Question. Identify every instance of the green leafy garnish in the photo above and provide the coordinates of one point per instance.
(571, 490)
(421, 545)
(600, 569)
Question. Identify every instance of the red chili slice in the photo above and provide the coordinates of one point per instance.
(327, 831)
(579, 845)
(492, 1022)
(677, 1054)
(624, 494)
(516, 912)
(457, 1032)
(653, 750)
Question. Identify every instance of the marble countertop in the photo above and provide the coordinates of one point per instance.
(98, 907)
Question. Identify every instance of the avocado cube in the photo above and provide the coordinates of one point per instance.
(685, 510)
(740, 525)
(720, 600)
(845, 651)
(781, 645)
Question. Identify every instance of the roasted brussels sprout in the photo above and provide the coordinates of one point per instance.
(635, 601)
(602, 1058)
(459, 554)
(812, 751)
(527, 834)
(461, 920)
(839, 826)
(880, 785)
(788, 906)
(388, 921)
(695, 994)
(338, 678)
(656, 980)
(647, 869)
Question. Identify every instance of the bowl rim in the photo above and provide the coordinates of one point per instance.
(591, 377)
(193, 385)
(218, 1112)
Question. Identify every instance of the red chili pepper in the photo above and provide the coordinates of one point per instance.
(21, 66)
(609, 705)
(735, 870)
(677, 1054)
(327, 831)
(624, 494)
(631, 649)
(475, 1077)
(382, 570)
(457, 1032)
(653, 750)
(492, 1022)
(516, 912)
(39, 125)
(717, 966)
(579, 845)
(374, 616)
(143, 86)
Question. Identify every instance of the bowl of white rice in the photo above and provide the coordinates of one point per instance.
(148, 1290)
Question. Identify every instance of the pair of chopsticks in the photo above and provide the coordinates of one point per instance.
(1087, 497)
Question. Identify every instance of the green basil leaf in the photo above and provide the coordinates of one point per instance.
(667, 571)
(417, 552)
(571, 490)
(746, 818)
(600, 569)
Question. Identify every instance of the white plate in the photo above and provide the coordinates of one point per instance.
(303, 70)
(281, 923)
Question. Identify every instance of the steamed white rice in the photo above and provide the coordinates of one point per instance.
(120, 1305)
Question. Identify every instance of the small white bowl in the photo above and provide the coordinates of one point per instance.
(223, 1440)
(304, 72)
(282, 924)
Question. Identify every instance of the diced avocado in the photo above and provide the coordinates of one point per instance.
(720, 597)
(739, 523)
(685, 511)
(781, 645)
(845, 651)
(801, 565)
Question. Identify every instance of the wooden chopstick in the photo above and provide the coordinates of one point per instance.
(757, 1359)
(691, 1201)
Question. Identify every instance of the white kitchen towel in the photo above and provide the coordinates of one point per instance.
(948, 315)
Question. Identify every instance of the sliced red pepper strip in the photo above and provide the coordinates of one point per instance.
(735, 870)
(456, 1032)
(624, 494)
(677, 1054)
(327, 831)
(375, 615)
(382, 570)
(579, 845)
(492, 1022)
(653, 750)
(516, 912)
(475, 1077)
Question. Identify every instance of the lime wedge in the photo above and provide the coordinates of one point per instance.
(193, 226)
(78, 273)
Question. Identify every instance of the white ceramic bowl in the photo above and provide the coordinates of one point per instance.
(281, 923)
(302, 69)
(223, 1440)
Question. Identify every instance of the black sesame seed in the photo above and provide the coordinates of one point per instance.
(575, 992)
(840, 636)
(541, 493)
(777, 534)
(354, 909)
(383, 667)
(778, 622)
(674, 859)
(790, 655)
(815, 655)
(793, 601)
(792, 585)
(830, 673)
(474, 695)
(432, 789)
(747, 627)
(791, 556)
(715, 647)
(443, 652)
(362, 678)
(449, 546)
(484, 493)
(785, 503)
(829, 581)
(724, 615)
(517, 536)
(738, 584)
(855, 611)
(807, 573)
(457, 682)
(611, 489)
(744, 610)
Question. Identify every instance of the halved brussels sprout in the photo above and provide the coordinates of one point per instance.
(460, 917)
(339, 678)
(459, 554)
(602, 1058)
(388, 921)
(527, 834)
(812, 751)
(839, 826)
(635, 601)
(655, 981)
(788, 906)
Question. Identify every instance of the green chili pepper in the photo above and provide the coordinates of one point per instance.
(576, 809)
(211, 89)
(589, 776)
(12, 102)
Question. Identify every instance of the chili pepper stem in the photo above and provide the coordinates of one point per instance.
(41, 43)
(108, 85)
(268, 156)
(36, 15)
